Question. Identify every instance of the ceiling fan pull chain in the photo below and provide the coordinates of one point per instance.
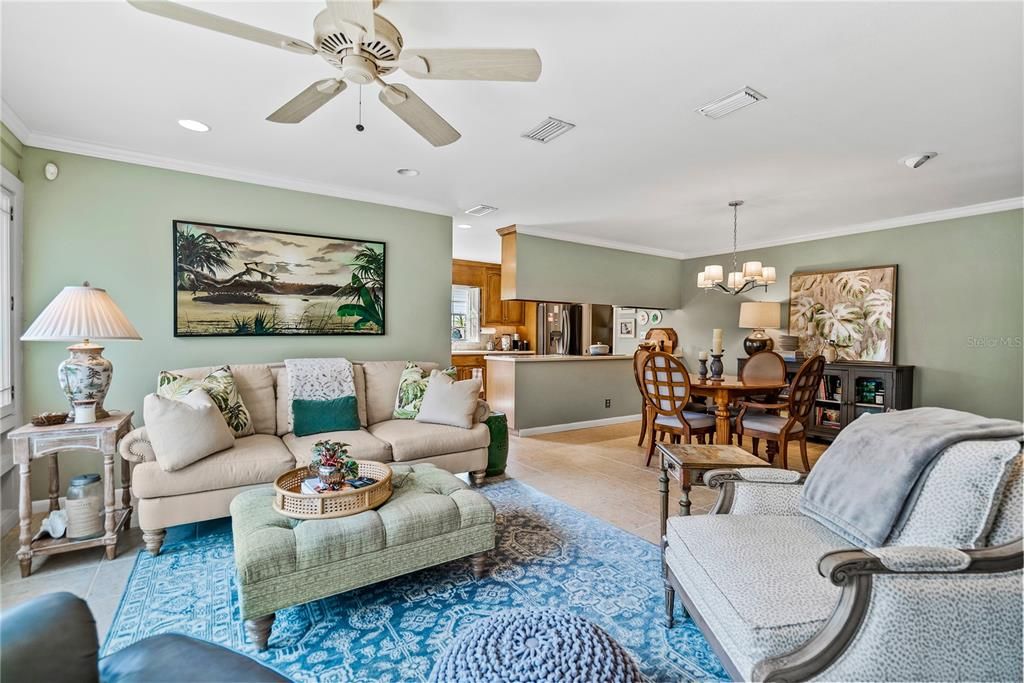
(359, 124)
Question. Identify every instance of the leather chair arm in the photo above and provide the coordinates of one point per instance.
(50, 638)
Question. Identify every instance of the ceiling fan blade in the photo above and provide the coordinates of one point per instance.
(472, 64)
(418, 114)
(355, 13)
(188, 15)
(308, 101)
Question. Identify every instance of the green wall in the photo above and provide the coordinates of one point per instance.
(110, 223)
(556, 270)
(959, 304)
(11, 151)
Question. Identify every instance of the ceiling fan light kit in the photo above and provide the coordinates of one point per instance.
(752, 274)
(364, 46)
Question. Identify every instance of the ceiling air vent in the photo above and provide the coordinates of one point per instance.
(548, 129)
(730, 103)
(481, 210)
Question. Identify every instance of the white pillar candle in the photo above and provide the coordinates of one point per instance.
(716, 341)
(702, 355)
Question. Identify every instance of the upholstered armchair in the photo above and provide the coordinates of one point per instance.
(781, 598)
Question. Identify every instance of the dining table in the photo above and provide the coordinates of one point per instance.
(725, 391)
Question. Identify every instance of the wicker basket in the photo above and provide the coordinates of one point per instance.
(349, 501)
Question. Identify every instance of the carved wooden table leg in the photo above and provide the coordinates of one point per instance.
(258, 630)
(25, 514)
(684, 499)
(479, 565)
(110, 537)
(54, 482)
(722, 417)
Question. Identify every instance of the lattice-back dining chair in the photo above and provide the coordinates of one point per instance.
(645, 416)
(666, 385)
(779, 431)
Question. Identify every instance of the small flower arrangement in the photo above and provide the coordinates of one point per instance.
(332, 464)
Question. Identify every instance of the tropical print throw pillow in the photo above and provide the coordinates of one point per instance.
(411, 388)
(220, 385)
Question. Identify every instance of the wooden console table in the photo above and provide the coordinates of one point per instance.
(31, 442)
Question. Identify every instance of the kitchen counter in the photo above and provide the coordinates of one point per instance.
(485, 352)
(546, 358)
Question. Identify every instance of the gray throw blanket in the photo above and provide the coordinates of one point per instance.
(870, 472)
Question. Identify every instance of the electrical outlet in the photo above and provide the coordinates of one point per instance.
(607, 403)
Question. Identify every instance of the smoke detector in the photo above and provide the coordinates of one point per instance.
(481, 210)
(730, 103)
(918, 160)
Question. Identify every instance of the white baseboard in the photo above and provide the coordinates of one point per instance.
(570, 426)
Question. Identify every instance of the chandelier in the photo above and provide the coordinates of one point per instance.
(752, 275)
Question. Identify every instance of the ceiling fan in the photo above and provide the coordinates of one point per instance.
(364, 46)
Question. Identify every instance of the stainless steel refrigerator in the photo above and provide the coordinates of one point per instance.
(570, 329)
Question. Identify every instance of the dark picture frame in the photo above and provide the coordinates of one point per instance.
(853, 307)
(234, 281)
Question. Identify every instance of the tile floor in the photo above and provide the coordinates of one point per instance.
(599, 471)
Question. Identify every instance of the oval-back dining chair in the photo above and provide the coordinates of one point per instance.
(666, 385)
(779, 431)
(638, 362)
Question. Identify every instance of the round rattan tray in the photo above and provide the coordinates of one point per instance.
(349, 501)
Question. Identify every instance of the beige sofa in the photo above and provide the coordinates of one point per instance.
(204, 490)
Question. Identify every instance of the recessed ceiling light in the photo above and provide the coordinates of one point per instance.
(194, 126)
(918, 160)
(407, 171)
(464, 226)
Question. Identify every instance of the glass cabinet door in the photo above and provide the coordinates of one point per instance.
(827, 414)
(871, 392)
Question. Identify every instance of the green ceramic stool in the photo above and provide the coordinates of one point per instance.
(497, 452)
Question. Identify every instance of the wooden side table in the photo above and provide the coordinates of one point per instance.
(31, 442)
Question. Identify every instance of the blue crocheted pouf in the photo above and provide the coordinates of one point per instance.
(534, 646)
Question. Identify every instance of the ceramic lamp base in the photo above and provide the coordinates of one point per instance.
(757, 341)
(85, 376)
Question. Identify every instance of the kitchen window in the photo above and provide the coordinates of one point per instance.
(465, 313)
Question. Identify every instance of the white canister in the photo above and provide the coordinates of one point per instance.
(84, 503)
(85, 412)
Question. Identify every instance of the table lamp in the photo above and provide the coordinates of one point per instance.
(81, 314)
(758, 316)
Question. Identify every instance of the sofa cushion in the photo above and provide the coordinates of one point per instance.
(764, 422)
(382, 378)
(220, 385)
(959, 496)
(411, 440)
(754, 579)
(257, 459)
(450, 403)
(283, 406)
(361, 445)
(255, 385)
(185, 431)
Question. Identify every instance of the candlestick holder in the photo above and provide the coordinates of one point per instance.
(703, 368)
(717, 368)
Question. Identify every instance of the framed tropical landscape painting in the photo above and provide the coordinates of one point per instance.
(231, 281)
(853, 310)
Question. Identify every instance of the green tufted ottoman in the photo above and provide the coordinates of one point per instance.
(432, 517)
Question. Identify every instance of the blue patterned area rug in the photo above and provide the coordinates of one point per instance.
(548, 555)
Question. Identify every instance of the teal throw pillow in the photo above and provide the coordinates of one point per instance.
(316, 417)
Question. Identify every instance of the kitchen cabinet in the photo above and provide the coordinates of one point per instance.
(498, 313)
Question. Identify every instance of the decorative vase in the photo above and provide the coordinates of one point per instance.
(329, 475)
(717, 368)
(756, 341)
(85, 376)
(703, 368)
(830, 352)
(497, 452)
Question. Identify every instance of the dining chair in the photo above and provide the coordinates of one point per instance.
(666, 387)
(778, 431)
(638, 361)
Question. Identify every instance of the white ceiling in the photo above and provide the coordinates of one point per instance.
(851, 89)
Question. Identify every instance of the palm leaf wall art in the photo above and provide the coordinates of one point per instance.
(232, 281)
(854, 309)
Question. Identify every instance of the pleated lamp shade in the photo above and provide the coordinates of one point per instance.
(79, 313)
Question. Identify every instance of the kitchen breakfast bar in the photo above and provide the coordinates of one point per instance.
(549, 393)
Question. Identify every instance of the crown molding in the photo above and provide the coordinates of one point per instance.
(884, 224)
(14, 122)
(600, 242)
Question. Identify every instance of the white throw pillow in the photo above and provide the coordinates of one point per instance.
(185, 431)
(449, 403)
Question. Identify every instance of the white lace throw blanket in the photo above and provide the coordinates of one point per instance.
(319, 379)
